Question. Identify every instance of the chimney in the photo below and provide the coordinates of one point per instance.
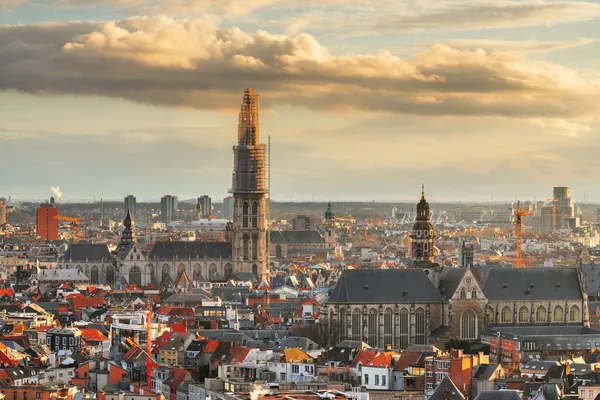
(388, 347)
(100, 395)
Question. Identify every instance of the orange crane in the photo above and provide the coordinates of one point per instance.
(519, 235)
(74, 225)
(149, 362)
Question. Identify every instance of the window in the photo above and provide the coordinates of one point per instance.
(245, 212)
(376, 380)
(558, 314)
(64, 341)
(430, 374)
(295, 369)
(574, 314)
(383, 383)
(56, 340)
(506, 315)
(255, 214)
(48, 341)
(366, 379)
(463, 294)
(468, 324)
(474, 293)
(540, 314)
(307, 368)
(38, 395)
(523, 315)
(70, 341)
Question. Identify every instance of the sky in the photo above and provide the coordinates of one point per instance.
(363, 99)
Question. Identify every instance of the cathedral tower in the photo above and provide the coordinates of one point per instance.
(249, 236)
(423, 233)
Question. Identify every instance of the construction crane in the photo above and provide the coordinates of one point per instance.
(74, 225)
(149, 362)
(519, 214)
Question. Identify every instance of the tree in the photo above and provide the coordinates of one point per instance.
(458, 344)
(324, 333)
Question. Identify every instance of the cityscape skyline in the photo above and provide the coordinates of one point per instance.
(478, 99)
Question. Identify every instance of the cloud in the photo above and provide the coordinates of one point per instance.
(194, 63)
(360, 18)
(511, 46)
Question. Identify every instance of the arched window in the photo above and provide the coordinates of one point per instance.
(343, 324)
(372, 328)
(491, 315)
(420, 326)
(388, 327)
(468, 324)
(463, 294)
(255, 247)
(356, 325)
(474, 293)
(246, 247)
(558, 314)
(574, 314)
(255, 214)
(245, 212)
(135, 276)
(403, 336)
(506, 315)
(540, 314)
(523, 315)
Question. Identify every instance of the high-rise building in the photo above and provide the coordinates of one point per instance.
(565, 206)
(249, 188)
(228, 208)
(303, 223)
(2, 212)
(168, 206)
(206, 203)
(130, 205)
(46, 221)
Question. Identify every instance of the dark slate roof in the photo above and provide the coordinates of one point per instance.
(548, 284)
(485, 371)
(80, 252)
(282, 237)
(384, 286)
(498, 395)
(450, 279)
(193, 250)
(229, 292)
(446, 385)
(592, 278)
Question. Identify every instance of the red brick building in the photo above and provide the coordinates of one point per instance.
(458, 366)
(46, 222)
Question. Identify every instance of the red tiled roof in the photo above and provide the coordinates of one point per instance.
(93, 334)
(177, 377)
(407, 358)
(44, 328)
(75, 296)
(383, 360)
(239, 354)
(85, 302)
(211, 346)
(365, 356)
(7, 292)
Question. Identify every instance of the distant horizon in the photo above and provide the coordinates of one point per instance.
(220, 201)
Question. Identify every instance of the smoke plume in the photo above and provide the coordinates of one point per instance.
(57, 193)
